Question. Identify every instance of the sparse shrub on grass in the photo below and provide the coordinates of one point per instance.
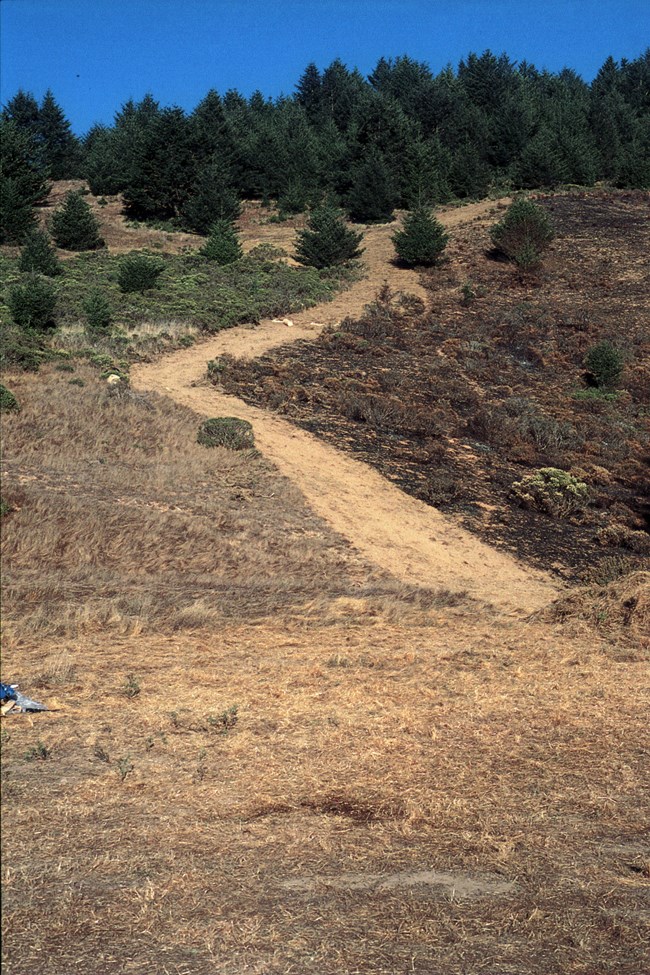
(422, 240)
(554, 492)
(620, 536)
(74, 227)
(22, 349)
(39, 750)
(469, 293)
(327, 240)
(222, 246)
(8, 402)
(225, 721)
(5, 508)
(124, 766)
(33, 303)
(97, 311)
(226, 431)
(596, 395)
(131, 686)
(38, 256)
(524, 233)
(604, 362)
(138, 273)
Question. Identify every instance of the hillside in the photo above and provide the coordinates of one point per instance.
(456, 399)
(303, 719)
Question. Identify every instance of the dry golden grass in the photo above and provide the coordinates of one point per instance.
(124, 522)
(410, 785)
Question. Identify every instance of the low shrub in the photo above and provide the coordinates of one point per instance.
(226, 431)
(620, 536)
(8, 402)
(552, 491)
(524, 233)
(22, 349)
(32, 304)
(138, 272)
(604, 363)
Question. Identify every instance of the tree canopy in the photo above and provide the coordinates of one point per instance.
(402, 137)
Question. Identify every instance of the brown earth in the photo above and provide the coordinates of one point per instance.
(266, 754)
(408, 538)
(457, 400)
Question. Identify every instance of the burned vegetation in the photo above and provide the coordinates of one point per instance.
(488, 384)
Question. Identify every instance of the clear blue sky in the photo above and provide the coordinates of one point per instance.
(95, 54)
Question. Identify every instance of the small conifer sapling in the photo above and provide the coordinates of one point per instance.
(327, 241)
(222, 246)
(74, 226)
(38, 255)
(422, 239)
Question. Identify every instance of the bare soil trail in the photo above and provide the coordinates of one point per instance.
(410, 539)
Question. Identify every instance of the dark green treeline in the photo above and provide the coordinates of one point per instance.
(401, 137)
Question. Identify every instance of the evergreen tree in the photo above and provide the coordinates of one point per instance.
(32, 303)
(212, 198)
(341, 90)
(98, 312)
(327, 241)
(162, 166)
(23, 111)
(487, 79)
(22, 181)
(469, 174)
(524, 233)
(38, 255)
(222, 246)
(16, 213)
(541, 163)
(74, 226)
(373, 195)
(309, 92)
(426, 168)
(422, 240)
(102, 166)
(61, 150)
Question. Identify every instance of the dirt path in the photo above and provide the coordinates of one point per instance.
(410, 539)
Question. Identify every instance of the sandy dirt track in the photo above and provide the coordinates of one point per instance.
(410, 539)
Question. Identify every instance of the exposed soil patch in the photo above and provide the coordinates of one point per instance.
(445, 884)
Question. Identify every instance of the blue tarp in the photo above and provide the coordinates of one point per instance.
(9, 693)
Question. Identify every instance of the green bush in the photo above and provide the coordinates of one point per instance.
(524, 233)
(74, 227)
(137, 272)
(327, 241)
(8, 402)
(223, 244)
(98, 311)
(226, 431)
(38, 255)
(551, 491)
(605, 364)
(22, 349)
(32, 304)
(422, 240)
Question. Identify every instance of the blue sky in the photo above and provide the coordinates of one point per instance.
(95, 54)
